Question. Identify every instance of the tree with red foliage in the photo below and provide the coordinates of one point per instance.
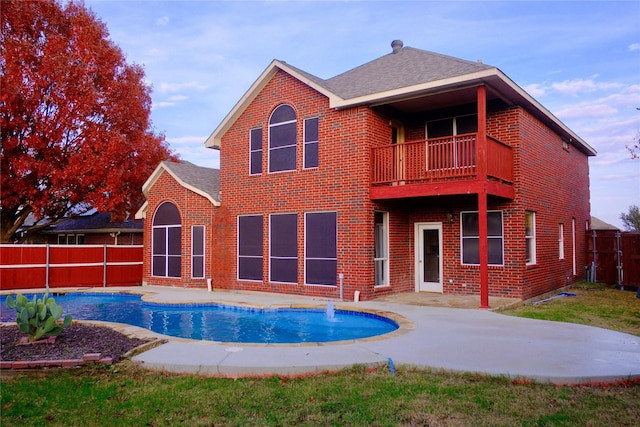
(75, 130)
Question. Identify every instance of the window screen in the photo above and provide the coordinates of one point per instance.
(321, 248)
(197, 251)
(283, 247)
(282, 139)
(311, 143)
(471, 238)
(255, 152)
(166, 242)
(250, 247)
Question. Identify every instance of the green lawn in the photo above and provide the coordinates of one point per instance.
(126, 396)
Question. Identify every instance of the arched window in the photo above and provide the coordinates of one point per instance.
(282, 139)
(166, 241)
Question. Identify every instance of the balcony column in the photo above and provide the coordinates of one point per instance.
(481, 157)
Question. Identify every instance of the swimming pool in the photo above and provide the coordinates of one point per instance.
(220, 322)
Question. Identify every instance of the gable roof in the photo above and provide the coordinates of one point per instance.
(98, 222)
(404, 74)
(200, 180)
(598, 224)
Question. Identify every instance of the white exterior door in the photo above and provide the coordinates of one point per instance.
(428, 250)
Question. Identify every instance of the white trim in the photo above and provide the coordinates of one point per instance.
(385, 260)
(573, 245)
(75, 264)
(417, 239)
(204, 251)
(329, 259)
(532, 238)
(156, 175)
(502, 238)
(561, 254)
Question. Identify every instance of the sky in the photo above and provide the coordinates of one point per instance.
(579, 59)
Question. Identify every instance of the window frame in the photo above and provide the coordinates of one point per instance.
(307, 144)
(253, 151)
(278, 243)
(199, 257)
(292, 146)
(490, 237)
(241, 253)
(381, 229)
(530, 239)
(168, 232)
(322, 259)
(561, 252)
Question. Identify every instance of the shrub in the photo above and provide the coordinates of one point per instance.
(38, 318)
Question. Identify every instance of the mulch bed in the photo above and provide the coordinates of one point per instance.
(74, 342)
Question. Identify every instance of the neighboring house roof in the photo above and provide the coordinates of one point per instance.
(401, 76)
(97, 222)
(598, 224)
(200, 180)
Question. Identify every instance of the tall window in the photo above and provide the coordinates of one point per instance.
(321, 248)
(561, 241)
(250, 247)
(311, 143)
(573, 246)
(471, 238)
(530, 236)
(255, 151)
(282, 139)
(197, 251)
(166, 241)
(283, 248)
(381, 247)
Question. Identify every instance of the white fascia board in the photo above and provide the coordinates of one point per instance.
(142, 212)
(215, 138)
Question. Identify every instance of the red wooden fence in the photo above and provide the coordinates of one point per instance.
(608, 258)
(56, 266)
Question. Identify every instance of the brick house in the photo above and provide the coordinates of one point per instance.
(413, 172)
(182, 224)
(97, 228)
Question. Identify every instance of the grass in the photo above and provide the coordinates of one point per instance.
(122, 395)
(593, 305)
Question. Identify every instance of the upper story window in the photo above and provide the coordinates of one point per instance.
(311, 143)
(282, 139)
(452, 126)
(255, 151)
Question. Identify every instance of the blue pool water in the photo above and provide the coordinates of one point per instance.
(219, 322)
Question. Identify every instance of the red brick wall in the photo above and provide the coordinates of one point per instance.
(340, 183)
(550, 181)
(194, 210)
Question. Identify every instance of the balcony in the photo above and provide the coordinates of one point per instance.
(440, 166)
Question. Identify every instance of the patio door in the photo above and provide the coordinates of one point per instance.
(428, 262)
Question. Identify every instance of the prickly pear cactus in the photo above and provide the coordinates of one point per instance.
(38, 318)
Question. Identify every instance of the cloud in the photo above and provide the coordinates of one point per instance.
(578, 86)
(585, 110)
(164, 20)
(536, 90)
(634, 46)
(165, 87)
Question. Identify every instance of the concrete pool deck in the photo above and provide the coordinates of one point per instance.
(432, 335)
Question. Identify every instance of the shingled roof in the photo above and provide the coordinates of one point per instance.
(200, 180)
(205, 179)
(404, 68)
(97, 222)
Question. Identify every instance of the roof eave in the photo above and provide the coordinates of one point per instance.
(491, 77)
(156, 175)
